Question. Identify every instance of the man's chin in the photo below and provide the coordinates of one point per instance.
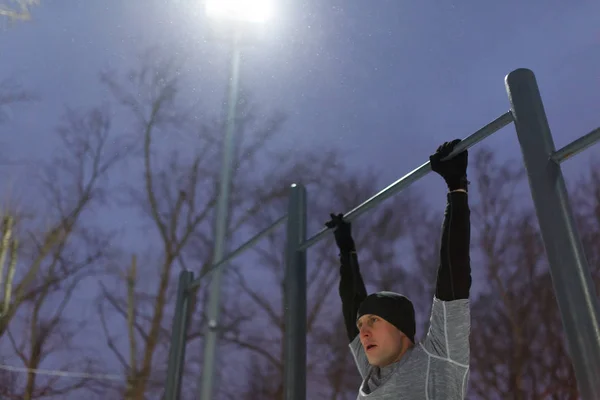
(378, 362)
(375, 362)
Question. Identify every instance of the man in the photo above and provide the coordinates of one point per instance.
(381, 327)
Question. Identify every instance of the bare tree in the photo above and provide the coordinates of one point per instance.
(72, 184)
(51, 251)
(586, 206)
(168, 198)
(517, 341)
(47, 338)
(179, 175)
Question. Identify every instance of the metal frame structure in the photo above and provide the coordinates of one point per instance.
(569, 268)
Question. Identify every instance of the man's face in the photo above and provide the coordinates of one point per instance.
(382, 341)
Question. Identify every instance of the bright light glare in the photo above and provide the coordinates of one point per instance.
(257, 11)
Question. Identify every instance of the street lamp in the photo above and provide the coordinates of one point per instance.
(256, 11)
(242, 15)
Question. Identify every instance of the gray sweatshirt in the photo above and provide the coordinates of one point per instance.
(435, 369)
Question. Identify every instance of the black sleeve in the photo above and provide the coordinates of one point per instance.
(352, 291)
(454, 272)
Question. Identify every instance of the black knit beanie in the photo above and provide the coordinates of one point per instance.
(398, 310)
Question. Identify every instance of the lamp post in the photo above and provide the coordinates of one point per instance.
(241, 14)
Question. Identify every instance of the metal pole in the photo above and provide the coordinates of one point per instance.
(569, 269)
(178, 335)
(295, 298)
(214, 306)
(577, 146)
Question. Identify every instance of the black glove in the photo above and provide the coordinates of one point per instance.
(342, 232)
(454, 171)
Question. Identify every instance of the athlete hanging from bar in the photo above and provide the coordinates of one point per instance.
(381, 327)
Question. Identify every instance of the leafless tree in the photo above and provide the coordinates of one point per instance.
(586, 205)
(51, 338)
(518, 347)
(72, 184)
(49, 252)
(168, 197)
(179, 164)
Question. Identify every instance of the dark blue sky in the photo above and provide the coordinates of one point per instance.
(384, 81)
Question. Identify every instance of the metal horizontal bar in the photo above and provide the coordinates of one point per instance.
(577, 146)
(196, 283)
(415, 175)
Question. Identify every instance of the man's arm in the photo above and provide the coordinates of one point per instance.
(450, 324)
(352, 288)
(352, 291)
(454, 272)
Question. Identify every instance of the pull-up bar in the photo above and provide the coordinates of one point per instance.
(371, 203)
(577, 146)
(196, 284)
(415, 175)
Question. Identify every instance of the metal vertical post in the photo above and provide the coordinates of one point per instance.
(178, 336)
(295, 298)
(214, 305)
(569, 268)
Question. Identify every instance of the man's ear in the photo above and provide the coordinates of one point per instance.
(406, 342)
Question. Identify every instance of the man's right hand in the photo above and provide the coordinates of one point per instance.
(342, 232)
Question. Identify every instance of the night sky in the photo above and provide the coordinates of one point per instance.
(383, 81)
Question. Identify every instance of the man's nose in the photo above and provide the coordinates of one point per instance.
(365, 331)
